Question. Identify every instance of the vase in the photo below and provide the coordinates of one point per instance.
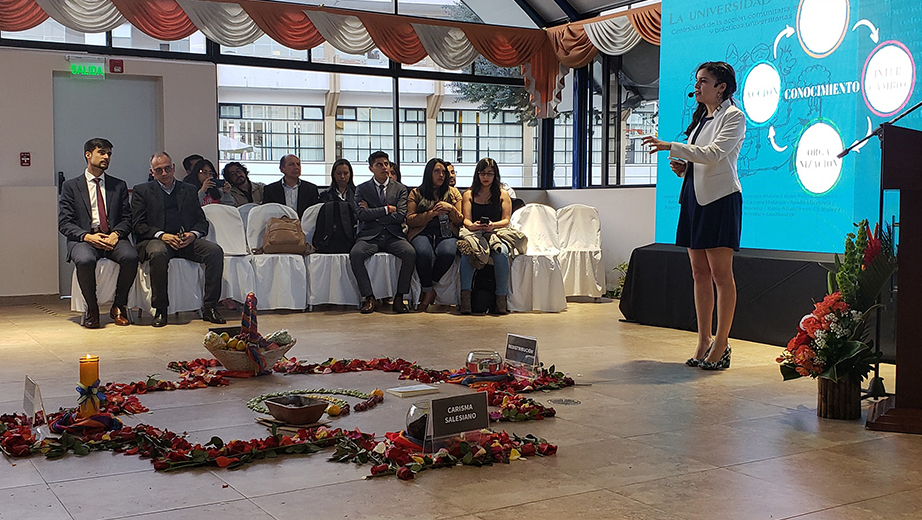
(838, 400)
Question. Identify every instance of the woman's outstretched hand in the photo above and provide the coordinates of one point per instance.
(655, 144)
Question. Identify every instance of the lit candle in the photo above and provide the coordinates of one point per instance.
(89, 373)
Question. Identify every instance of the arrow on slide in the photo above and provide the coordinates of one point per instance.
(771, 139)
(874, 33)
(858, 148)
(786, 33)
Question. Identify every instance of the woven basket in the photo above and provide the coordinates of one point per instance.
(239, 361)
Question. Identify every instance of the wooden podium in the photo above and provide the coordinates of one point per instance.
(901, 169)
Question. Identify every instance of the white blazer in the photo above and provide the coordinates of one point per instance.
(715, 154)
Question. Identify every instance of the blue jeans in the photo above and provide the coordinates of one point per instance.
(500, 271)
(432, 264)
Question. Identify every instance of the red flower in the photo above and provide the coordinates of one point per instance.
(399, 456)
(405, 473)
(527, 449)
(224, 462)
(380, 468)
(161, 464)
(547, 449)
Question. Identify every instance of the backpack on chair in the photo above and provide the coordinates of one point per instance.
(335, 231)
(284, 236)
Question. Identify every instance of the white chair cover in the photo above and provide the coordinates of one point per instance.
(185, 283)
(536, 281)
(581, 250)
(281, 279)
(227, 231)
(106, 279)
(330, 277)
(447, 290)
(245, 212)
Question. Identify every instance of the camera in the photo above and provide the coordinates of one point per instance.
(484, 220)
(219, 183)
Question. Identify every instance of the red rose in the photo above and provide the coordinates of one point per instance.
(404, 473)
(527, 449)
(380, 468)
(161, 464)
(547, 449)
(399, 456)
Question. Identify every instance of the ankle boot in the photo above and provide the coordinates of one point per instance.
(465, 305)
(501, 305)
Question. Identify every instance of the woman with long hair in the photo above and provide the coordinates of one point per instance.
(433, 220)
(204, 177)
(486, 208)
(710, 218)
(341, 185)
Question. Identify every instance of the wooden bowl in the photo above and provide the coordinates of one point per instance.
(296, 409)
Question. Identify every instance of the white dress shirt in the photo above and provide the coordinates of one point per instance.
(291, 195)
(91, 188)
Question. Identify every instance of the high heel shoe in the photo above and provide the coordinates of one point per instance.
(723, 362)
(693, 362)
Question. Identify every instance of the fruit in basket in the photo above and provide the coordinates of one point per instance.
(214, 341)
(225, 336)
(279, 337)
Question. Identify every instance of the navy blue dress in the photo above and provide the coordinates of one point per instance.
(717, 224)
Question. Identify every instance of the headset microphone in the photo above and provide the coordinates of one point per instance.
(691, 94)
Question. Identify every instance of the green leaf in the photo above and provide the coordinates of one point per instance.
(468, 457)
(81, 449)
(465, 448)
(416, 468)
(199, 456)
(67, 440)
(788, 372)
(216, 442)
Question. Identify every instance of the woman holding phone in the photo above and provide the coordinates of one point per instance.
(710, 218)
(211, 189)
(486, 208)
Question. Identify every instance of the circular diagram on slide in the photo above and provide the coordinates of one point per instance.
(888, 78)
(822, 25)
(761, 92)
(816, 164)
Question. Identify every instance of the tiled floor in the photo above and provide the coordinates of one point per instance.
(650, 439)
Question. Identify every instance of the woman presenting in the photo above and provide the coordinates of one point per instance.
(711, 205)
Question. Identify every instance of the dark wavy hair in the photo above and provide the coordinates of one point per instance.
(192, 178)
(483, 164)
(339, 162)
(238, 165)
(723, 73)
(428, 189)
(396, 168)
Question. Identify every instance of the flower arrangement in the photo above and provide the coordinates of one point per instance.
(832, 341)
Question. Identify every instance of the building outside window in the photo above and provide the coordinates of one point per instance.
(266, 133)
(363, 130)
(412, 136)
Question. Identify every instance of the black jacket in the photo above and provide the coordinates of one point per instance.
(75, 215)
(147, 216)
(308, 195)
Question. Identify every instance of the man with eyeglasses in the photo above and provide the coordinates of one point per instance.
(168, 222)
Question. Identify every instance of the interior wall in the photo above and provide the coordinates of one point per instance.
(627, 217)
(28, 196)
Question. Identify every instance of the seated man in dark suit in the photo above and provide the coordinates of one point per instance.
(95, 216)
(168, 221)
(381, 209)
(291, 190)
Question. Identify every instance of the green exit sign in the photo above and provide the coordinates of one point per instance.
(87, 67)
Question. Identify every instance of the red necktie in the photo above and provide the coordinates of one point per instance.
(101, 204)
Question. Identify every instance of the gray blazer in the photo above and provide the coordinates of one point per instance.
(374, 220)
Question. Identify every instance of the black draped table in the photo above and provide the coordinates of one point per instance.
(775, 289)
